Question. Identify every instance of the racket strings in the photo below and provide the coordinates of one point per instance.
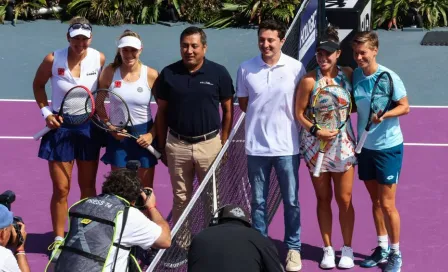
(381, 95)
(112, 110)
(77, 106)
(332, 107)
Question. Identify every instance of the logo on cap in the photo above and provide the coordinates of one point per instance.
(237, 212)
(117, 84)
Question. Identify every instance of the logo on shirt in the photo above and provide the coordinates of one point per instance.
(139, 89)
(61, 71)
(117, 84)
(206, 83)
(237, 212)
(91, 73)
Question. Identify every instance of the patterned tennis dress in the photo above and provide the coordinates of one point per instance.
(340, 152)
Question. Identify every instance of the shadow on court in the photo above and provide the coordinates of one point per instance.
(311, 253)
(39, 242)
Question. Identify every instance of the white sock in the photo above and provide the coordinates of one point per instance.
(58, 238)
(395, 247)
(383, 241)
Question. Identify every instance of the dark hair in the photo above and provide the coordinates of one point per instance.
(194, 30)
(331, 34)
(117, 60)
(124, 183)
(273, 25)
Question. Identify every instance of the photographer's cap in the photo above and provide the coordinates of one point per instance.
(236, 212)
(6, 217)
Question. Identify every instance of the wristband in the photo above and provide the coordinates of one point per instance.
(20, 252)
(314, 129)
(46, 111)
(150, 208)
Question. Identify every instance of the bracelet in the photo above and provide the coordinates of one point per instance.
(150, 208)
(20, 252)
(46, 111)
(314, 129)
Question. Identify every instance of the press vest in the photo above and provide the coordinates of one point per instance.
(92, 231)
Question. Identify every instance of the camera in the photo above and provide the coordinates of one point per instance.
(16, 239)
(140, 203)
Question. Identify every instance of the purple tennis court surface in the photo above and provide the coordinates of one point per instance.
(420, 195)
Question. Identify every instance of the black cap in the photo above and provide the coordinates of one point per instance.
(236, 212)
(328, 45)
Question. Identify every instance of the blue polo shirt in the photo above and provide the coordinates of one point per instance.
(388, 133)
(193, 98)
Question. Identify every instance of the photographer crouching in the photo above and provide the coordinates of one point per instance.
(96, 227)
(8, 237)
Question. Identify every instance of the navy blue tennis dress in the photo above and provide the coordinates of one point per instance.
(137, 96)
(81, 142)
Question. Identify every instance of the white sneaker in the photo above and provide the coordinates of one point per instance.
(293, 261)
(328, 261)
(347, 258)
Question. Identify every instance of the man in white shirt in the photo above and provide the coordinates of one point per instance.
(265, 90)
(9, 263)
(92, 222)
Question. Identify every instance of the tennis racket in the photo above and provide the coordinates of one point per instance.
(331, 110)
(76, 108)
(112, 115)
(380, 102)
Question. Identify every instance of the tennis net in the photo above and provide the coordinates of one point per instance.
(229, 173)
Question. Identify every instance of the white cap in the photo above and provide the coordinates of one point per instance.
(130, 41)
(80, 31)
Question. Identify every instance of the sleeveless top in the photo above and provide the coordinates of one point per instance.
(340, 152)
(62, 80)
(136, 94)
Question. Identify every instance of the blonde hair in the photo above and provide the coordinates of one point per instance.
(78, 20)
(117, 60)
(369, 37)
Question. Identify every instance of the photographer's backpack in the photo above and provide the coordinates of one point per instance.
(87, 246)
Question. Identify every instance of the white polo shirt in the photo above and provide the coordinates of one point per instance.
(271, 129)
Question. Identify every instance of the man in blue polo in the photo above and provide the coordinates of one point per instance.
(190, 131)
(265, 90)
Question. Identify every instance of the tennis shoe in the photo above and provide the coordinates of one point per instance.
(347, 259)
(378, 256)
(328, 260)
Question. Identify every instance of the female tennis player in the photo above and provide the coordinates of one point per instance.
(339, 156)
(77, 64)
(128, 77)
(381, 157)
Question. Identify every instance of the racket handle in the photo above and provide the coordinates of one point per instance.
(154, 152)
(361, 142)
(320, 159)
(41, 133)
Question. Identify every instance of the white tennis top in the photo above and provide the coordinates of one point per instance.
(271, 129)
(137, 95)
(62, 80)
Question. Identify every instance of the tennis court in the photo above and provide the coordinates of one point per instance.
(420, 198)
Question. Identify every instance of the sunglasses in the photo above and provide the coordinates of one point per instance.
(79, 25)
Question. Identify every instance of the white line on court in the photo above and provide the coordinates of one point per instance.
(152, 102)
